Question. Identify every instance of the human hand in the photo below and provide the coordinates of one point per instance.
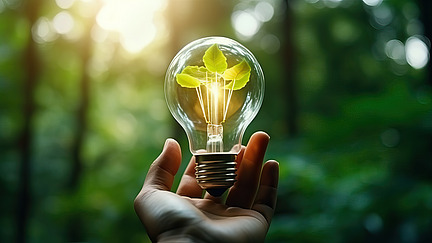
(187, 216)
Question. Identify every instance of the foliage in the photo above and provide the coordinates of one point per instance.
(215, 62)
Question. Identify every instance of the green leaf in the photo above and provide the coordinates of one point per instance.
(200, 73)
(238, 71)
(238, 84)
(214, 59)
(187, 81)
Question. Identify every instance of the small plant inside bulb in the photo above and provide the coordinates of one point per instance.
(214, 84)
(214, 88)
(219, 82)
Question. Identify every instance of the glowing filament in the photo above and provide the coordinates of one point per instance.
(211, 101)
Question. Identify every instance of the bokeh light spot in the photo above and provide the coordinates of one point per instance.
(410, 10)
(264, 11)
(98, 34)
(395, 50)
(344, 30)
(372, 3)
(270, 44)
(417, 53)
(383, 15)
(332, 3)
(43, 31)
(245, 23)
(414, 27)
(390, 137)
(63, 22)
(65, 4)
(373, 223)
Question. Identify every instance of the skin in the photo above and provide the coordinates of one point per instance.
(188, 216)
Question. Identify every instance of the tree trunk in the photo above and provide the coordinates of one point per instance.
(425, 7)
(81, 115)
(175, 23)
(288, 61)
(26, 138)
(75, 227)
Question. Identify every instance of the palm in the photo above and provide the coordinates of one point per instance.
(244, 217)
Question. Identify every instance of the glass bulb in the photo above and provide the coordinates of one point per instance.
(214, 88)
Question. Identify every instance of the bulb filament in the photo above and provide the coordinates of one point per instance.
(210, 100)
(214, 107)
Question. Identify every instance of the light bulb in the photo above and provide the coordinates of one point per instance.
(214, 88)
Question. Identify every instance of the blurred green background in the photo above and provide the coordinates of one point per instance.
(348, 105)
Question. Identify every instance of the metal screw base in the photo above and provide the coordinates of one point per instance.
(215, 173)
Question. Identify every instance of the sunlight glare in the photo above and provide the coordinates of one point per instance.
(417, 53)
(133, 20)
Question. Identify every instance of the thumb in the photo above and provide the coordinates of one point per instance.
(163, 169)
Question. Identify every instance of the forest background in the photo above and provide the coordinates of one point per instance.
(348, 106)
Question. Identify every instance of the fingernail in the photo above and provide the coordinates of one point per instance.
(166, 143)
(273, 161)
(265, 134)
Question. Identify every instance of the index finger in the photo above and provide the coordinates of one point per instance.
(244, 189)
(188, 185)
(162, 171)
(265, 201)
